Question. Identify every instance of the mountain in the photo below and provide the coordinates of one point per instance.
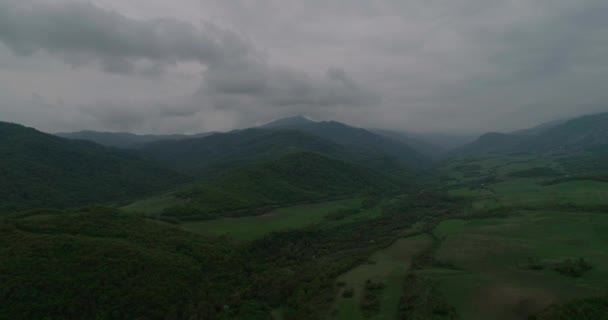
(43, 170)
(446, 142)
(412, 140)
(288, 122)
(224, 151)
(492, 142)
(355, 138)
(539, 128)
(227, 150)
(124, 139)
(292, 178)
(578, 134)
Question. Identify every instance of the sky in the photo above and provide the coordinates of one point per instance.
(187, 66)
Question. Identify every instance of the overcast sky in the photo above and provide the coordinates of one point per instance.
(185, 66)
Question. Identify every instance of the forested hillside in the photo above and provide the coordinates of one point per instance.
(293, 178)
(585, 133)
(42, 170)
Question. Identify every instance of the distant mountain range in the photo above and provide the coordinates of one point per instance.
(38, 169)
(124, 139)
(573, 135)
(427, 144)
(43, 170)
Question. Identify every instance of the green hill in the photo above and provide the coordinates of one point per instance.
(101, 264)
(225, 151)
(355, 138)
(583, 133)
(414, 141)
(42, 170)
(293, 178)
(580, 134)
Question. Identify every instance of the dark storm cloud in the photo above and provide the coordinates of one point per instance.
(444, 65)
(83, 33)
(237, 74)
(258, 84)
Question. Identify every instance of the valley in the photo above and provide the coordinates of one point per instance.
(305, 220)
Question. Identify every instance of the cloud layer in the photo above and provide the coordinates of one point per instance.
(466, 66)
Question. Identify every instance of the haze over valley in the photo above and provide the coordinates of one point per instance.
(293, 160)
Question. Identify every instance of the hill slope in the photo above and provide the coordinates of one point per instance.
(225, 151)
(296, 177)
(415, 142)
(42, 170)
(579, 134)
(101, 264)
(355, 138)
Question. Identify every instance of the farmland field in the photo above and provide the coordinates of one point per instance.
(252, 227)
(388, 266)
(504, 262)
(493, 256)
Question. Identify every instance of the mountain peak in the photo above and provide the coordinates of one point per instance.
(289, 121)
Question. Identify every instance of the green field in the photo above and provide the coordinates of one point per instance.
(490, 184)
(388, 266)
(153, 206)
(491, 253)
(504, 265)
(294, 217)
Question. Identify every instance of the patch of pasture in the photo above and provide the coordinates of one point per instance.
(527, 192)
(287, 218)
(493, 255)
(154, 205)
(388, 266)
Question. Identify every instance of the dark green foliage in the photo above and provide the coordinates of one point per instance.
(423, 300)
(341, 214)
(219, 152)
(294, 178)
(426, 258)
(573, 267)
(533, 264)
(42, 170)
(357, 139)
(222, 151)
(306, 262)
(371, 201)
(467, 167)
(537, 172)
(100, 264)
(370, 300)
(584, 309)
(348, 293)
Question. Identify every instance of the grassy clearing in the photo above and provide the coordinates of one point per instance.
(523, 192)
(252, 227)
(493, 185)
(153, 206)
(388, 266)
(492, 252)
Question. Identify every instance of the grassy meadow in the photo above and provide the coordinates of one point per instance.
(387, 266)
(503, 262)
(493, 257)
(282, 219)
